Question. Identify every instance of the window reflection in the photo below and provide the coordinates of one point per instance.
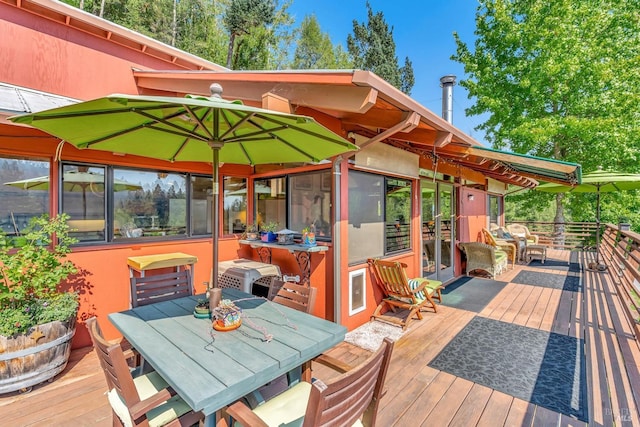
(235, 205)
(310, 202)
(271, 201)
(201, 191)
(157, 209)
(83, 190)
(24, 192)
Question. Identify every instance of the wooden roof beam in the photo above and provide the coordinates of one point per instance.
(406, 125)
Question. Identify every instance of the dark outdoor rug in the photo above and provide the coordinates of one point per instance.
(548, 280)
(543, 368)
(555, 264)
(471, 293)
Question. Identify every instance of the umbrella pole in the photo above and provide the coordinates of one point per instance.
(214, 217)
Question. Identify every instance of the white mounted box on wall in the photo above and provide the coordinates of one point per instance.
(357, 291)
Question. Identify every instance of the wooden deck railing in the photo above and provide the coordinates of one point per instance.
(619, 251)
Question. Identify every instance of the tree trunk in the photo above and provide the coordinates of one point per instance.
(81, 5)
(102, 8)
(559, 220)
(174, 25)
(232, 39)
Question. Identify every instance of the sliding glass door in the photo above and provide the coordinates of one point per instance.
(438, 222)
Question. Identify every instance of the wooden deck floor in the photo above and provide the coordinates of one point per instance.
(418, 394)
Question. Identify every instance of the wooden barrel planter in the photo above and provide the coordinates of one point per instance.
(36, 356)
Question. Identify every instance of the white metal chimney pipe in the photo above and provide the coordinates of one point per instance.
(446, 83)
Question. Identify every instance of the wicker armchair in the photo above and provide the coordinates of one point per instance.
(510, 248)
(481, 256)
(523, 231)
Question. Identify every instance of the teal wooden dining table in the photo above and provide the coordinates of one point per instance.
(211, 369)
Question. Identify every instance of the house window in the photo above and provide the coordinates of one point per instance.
(270, 201)
(24, 191)
(201, 198)
(311, 202)
(493, 210)
(83, 199)
(379, 215)
(235, 205)
(357, 291)
(157, 208)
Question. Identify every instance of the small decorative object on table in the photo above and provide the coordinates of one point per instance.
(201, 310)
(309, 235)
(285, 236)
(226, 316)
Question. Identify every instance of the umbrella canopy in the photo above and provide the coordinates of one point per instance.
(75, 181)
(599, 181)
(192, 128)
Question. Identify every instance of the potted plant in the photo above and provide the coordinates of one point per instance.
(269, 232)
(252, 232)
(309, 235)
(35, 311)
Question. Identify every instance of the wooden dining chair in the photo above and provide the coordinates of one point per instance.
(399, 291)
(142, 401)
(298, 297)
(343, 401)
(133, 358)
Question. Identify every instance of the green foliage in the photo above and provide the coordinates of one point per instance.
(314, 49)
(269, 226)
(558, 79)
(244, 17)
(373, 48)
(30, 276)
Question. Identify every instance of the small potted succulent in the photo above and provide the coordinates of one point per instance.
(252, 232)
(309, 235)
(268, 232)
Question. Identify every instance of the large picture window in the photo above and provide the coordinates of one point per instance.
(270, 202)
(379, 215)
(24, 192)
(158, 208)
(83, 199)
(235, 205)
(311, 202)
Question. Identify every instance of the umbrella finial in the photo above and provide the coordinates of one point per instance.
(216, 90)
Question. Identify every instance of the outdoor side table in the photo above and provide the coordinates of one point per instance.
(539, 251)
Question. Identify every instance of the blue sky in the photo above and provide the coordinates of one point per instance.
(423, 31)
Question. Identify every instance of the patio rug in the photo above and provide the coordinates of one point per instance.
(370, 335)
(555, 264)
(548, 280)
(471, 293)
(546, 369)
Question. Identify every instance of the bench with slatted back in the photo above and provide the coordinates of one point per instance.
(152, 288)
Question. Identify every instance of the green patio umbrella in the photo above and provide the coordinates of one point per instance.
(193, 128)
(599, 181)
(80, 181)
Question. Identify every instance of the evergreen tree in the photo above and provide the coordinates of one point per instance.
(373, 48)
(314, 49)
(244, 17)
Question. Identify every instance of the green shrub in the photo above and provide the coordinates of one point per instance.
(31, 276)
